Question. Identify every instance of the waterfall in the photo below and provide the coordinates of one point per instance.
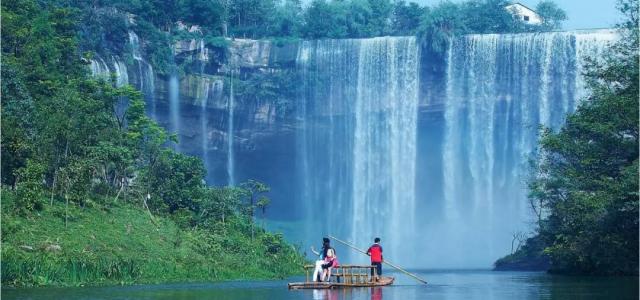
(206, 90)
(146, 77)
(360, 124)
(174, 104)
(230, 156)
(203, 54)
(385, 141)
(302, 153)
(499, 88)
(134, 42)
(204, 136)
(120, 69)
(99, 68)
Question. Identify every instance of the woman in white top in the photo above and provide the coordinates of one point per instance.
(321, 259)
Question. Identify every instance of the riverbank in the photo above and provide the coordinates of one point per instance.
(119, 244)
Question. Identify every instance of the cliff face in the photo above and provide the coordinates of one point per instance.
(266, 83)
(231, 101)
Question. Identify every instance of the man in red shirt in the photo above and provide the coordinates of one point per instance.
(375, 251)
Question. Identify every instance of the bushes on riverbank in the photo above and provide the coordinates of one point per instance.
(120, 244)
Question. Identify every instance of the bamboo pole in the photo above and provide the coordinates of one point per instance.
(384, 261)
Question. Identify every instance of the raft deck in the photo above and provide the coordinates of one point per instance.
(344, 276)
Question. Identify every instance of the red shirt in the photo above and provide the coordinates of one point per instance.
(376, 253)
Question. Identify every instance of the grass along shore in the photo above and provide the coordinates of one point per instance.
(119, 244)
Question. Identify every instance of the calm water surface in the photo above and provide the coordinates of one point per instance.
(443, 284)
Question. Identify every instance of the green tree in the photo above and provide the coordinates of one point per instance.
(262, 203)
(405, 18)
(250, 18)
(206, 13)
(552, 15)
(586, 177)
(287, 19)
(254, 190)
(439, 24)
(323, 20)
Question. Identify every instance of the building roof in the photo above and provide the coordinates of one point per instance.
(518, 3)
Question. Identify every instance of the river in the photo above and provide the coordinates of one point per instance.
(443, 284)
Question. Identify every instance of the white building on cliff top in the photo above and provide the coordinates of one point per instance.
(527, 15)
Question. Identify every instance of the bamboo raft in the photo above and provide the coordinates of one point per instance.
(344, 276)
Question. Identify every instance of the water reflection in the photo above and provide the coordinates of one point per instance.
(325, 294)
(443, 284)
(376, 293)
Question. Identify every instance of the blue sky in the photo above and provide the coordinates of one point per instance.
(582, 13)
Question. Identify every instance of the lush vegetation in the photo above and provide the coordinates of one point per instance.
(104, 24)
(75, 168)
(118, 243)
(585, 185)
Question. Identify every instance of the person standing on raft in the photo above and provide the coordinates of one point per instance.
(375, 252)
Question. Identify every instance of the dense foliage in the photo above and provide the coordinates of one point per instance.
(585, 188)
(119, 245)
(67, 142)
(104, 25)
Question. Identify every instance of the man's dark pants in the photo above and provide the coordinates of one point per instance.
(378, 266)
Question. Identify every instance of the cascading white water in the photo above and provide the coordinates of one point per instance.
(203, 53)
(120, 69)
(146, 77)
(230, 125)
(205, 91)
(360, 113)
(204, 135)
(384, 153)
(134, 42)
(174, 104)
(499, 88)
(99, 68)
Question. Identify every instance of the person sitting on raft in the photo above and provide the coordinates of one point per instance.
(330, 262)
(321, 256)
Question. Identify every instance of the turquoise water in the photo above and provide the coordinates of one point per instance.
(443, 284)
